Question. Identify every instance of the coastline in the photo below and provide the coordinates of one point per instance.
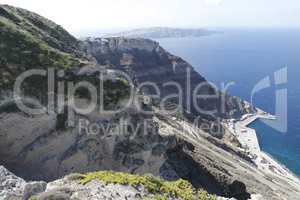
(248, 138)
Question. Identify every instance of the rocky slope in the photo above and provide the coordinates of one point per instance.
(30, 41)
(45, 147)
(100, 185)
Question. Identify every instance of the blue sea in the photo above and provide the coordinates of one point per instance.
(245, 57)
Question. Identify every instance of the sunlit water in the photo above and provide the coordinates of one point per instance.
(245, 57)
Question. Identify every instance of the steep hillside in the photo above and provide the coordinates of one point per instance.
(29, 41)
(46, 146)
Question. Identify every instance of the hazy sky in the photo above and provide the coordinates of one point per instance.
(79, 16)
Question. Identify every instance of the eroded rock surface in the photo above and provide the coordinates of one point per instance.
(15, 188)
(43, 147)
(11, 186)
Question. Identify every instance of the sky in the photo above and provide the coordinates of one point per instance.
(79, 16)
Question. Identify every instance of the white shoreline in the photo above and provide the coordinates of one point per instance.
(249, 141)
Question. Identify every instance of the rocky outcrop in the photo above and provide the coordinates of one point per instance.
(15, 188)
(118, 185)
(11, 186)
(70, 187)
(65, 189)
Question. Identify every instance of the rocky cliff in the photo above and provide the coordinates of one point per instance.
(169, 145)
(146, 61)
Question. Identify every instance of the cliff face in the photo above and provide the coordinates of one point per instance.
(43, 147)
(146, 61)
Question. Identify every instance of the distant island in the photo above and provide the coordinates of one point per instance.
(162, 32)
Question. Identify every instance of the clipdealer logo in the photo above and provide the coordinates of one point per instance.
(280, 78)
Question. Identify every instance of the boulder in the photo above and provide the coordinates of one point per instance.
(11, 186)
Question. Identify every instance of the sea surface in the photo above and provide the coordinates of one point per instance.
(245, 57)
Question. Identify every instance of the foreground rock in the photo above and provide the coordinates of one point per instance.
(116, 185)
(11, 186)
(15, 188)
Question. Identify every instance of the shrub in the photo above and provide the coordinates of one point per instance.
(160, 189)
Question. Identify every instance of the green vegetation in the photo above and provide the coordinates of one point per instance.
(114, 91)
(28, 41)
(160, 189)
(203, 195)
